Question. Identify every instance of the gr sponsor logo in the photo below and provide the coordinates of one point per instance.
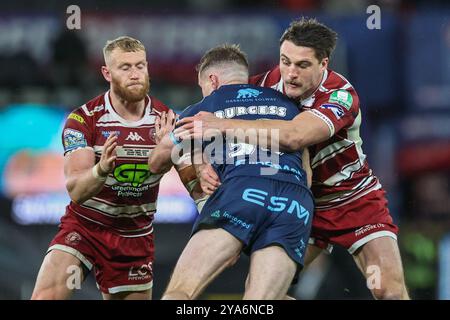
(132, 173)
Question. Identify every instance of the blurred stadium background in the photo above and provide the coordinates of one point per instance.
(402, 74)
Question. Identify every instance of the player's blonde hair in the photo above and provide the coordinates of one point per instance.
(125, 43)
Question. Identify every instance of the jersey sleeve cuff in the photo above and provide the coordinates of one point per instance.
(325, 119)
(76, 149)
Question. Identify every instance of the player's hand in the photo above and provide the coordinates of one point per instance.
(203, 125)
(108, 158)
(209, 180)
(164, 125)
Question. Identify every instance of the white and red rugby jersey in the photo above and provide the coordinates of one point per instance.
(341, 173)
(127, 202)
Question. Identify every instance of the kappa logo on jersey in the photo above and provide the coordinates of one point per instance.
(134, 136)
(248, 93)
(343, 98)
(73, 140)
(337, 110)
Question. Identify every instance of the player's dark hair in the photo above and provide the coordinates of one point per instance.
(308, 32)
(224, 53)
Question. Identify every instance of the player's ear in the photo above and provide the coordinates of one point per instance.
(106, 73)
(324, 63)
(214, 81)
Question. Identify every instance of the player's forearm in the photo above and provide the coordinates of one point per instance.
(188, 177)
(84, 185)
(286, 134)
(160, 160)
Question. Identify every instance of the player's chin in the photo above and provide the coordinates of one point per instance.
(136, 95)
(294, 93)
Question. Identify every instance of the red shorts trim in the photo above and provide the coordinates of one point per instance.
(120, 263)
(353, 225)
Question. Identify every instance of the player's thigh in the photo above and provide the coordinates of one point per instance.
(271, 273)
(129, 295)
(207, 253)
(312, 252)
(53, 278)
(380, 255)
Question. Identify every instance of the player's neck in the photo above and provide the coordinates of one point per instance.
(132, 111)
(234, 81)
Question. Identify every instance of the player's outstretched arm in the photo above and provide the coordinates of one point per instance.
(304, 130)
(84, 178)
(160, 160)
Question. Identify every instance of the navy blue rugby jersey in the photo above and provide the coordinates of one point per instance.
(231, 158)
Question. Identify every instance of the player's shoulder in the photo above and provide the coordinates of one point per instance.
(336, 80)
(338, 90)
(271, 78)
(157, 105)
(195, 108)
(270, 91)
(84, 113)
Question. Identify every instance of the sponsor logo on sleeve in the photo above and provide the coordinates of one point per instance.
(337, 110)
(73, 140)
(76, 117)
(73, 238)
(343, 98)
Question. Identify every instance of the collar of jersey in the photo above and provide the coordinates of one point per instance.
(225, 86)
(127, 123)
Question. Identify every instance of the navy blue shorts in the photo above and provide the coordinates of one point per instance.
(261, 212)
